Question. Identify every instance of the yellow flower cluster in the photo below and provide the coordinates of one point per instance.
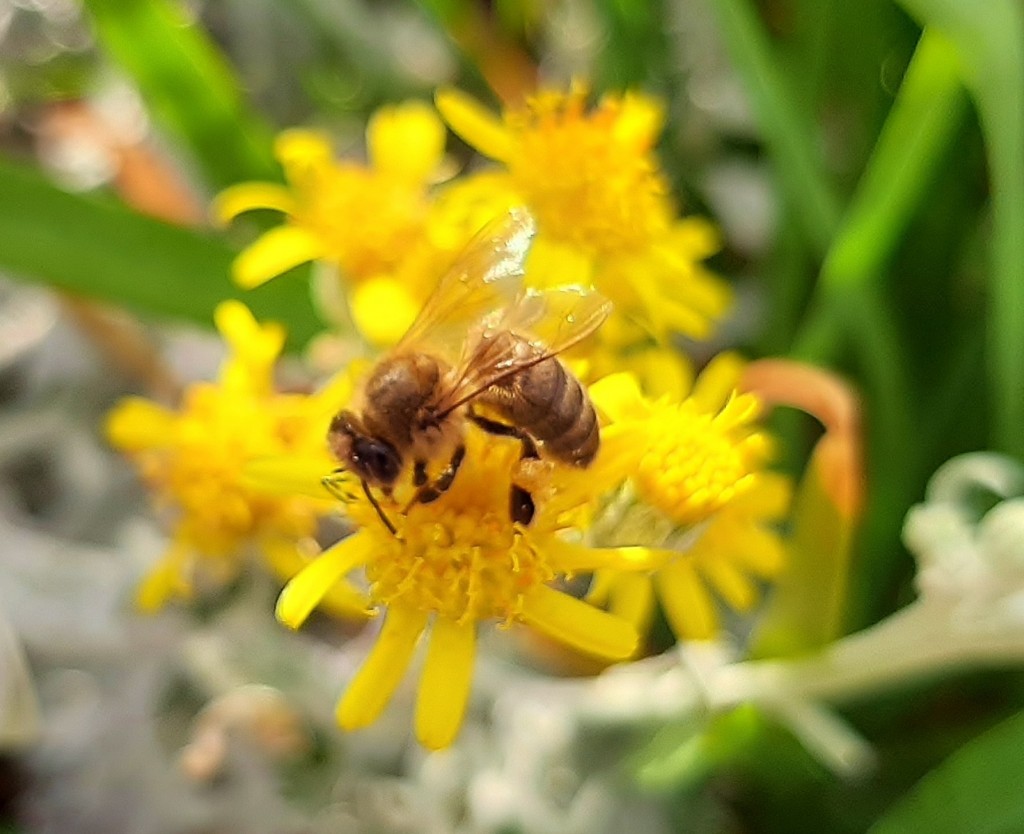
(457, 562)
(702, 492)
(604, 210)
(369, 221)
(194, 459)
(678, 504)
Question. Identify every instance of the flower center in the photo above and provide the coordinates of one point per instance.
(367, 219)
(611, 199)
(460, 565)
(216, 435)
(695, 464)
(461, 556)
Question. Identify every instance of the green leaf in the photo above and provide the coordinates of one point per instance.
(806, 610)
(920, 127)
(989, 41)
(96, 247)
(924, 119)
(683, 755)
(188, 86)
(636, 52)
(788, 132)
(977, 789)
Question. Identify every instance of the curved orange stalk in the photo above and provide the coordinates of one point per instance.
(839, 454)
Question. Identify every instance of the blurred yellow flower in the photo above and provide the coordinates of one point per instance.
(701, 489)
(459, 562)
(604, 209)
(193, 461)
(368, 220)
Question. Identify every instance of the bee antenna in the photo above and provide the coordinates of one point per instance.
(380, 512)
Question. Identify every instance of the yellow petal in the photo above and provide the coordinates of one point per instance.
(382, 309)
(632, 599)
(304, 592)
(383, 669)
(446, 682)
(762, 552)
(287, 475)
(730, 583)
(406, 140)
(697, 237)
(640, 121)
(474, 123)
(718, 382)
(579, 625)
(769, 498)
(299, 149)
(550, 262)
(135, 424)
(235, 321)
(601, 586)
(342, 599)
(166, 581)
(570, 557)
(703, 291)
(663, 372)
(669, 315)
(273, 253)
(336, 393)
(248, 338)
(688, 606)
(622, 447)
(617, 396)
(247, 196)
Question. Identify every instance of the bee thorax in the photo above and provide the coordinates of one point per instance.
(396, 396)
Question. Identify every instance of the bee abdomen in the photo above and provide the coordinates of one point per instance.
(550, 404)
(579, 444)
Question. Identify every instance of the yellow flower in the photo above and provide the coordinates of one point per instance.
(193, 461)
(459, 562)
(367, 220)
(702, 489)
(604, 210)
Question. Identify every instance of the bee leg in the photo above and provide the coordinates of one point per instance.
(428, 493)
(380, 512)
(505, 430)
(520, 503)
(419, 473)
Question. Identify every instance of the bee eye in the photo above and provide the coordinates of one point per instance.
(379, 460)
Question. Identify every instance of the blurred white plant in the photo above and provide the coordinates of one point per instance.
(968, 540)
(19, 709)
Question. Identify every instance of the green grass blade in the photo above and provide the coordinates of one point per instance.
(928, 110)
(188, 87)
(98, 248)
(989, 40)
(977, 789)
(807, 606)
(790, 136)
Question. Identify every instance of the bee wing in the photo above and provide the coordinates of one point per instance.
(548, 322)
(555, 319)
(486, 277)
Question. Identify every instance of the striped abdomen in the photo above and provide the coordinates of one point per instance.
(550, 404)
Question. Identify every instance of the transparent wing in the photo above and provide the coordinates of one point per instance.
(537, 326)
(486, 276)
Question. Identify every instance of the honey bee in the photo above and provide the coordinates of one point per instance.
(481, 339)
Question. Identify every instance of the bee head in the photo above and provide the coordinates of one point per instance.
(372, 459)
